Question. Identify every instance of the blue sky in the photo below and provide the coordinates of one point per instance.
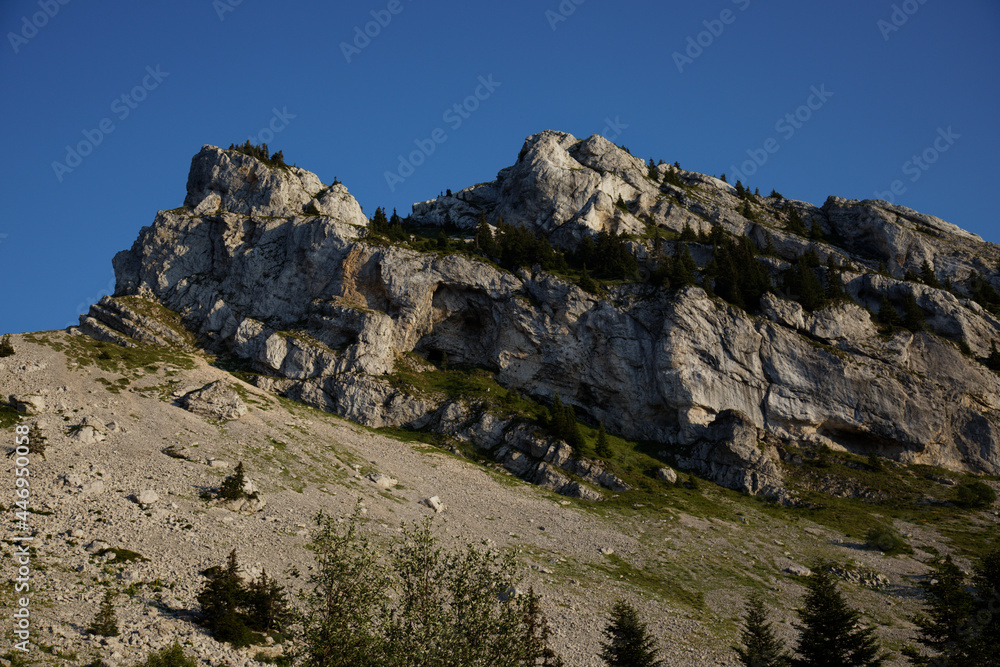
(923, 82)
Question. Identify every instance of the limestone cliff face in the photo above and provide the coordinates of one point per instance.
(275, 268)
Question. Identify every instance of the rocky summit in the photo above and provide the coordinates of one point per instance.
(646, 382)
(269, 266)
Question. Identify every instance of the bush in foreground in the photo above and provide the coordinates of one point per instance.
(419, 605)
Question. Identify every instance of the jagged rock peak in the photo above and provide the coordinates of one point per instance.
(232, 182)
(566, 188)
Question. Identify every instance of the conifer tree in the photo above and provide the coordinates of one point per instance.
(769, 248)
(630, 643)
(379, 224)
(653, 172)
(602, 447)
(558, 423)
(536, 635)
(928, 276)
(232, 486)
(36, 441)
(795, 222)
(834, 286)
(887, 314)
(914, 318)
(220, 602)
(830, 634)
(586, 283)
(267, 606)
(484, 237)
(105, 622)
(687, 234)
(682, 267)
(993, 360)
(950, 608)
(572, 435)
(986, 581)
(759, 646)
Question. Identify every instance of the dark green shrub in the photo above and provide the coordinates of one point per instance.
(887, 540)
(172, 656)
(975, 494)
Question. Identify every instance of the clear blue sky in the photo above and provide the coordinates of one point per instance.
(205, 79)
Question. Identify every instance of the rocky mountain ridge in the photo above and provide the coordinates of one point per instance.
(285, 275)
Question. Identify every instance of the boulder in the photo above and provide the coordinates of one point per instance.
(668, 475)
(434, 503)
(30, 404)
(216, 400)
(87, 434)
(146, 497)
(382, 480)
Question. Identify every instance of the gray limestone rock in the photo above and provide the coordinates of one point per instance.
(216, 400)
(731, 456)
(268, 265)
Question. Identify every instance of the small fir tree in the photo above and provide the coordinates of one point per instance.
(536, 635)
(105, 622)
(950, 609)
(221, 599)
(232, 486)
(586, 283)
(928, 276)
(830, 633)
(914, 318)
(630, 643)
(993, 360)
(602, 447)
(267, 605)
(759, 646)
(36, 441)
(887, 314)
